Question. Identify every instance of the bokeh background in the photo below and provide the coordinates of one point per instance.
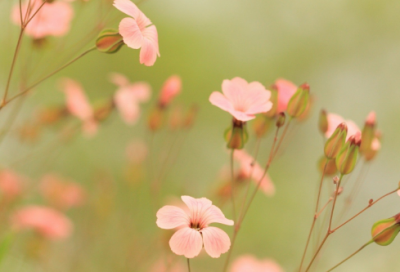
(348, 51)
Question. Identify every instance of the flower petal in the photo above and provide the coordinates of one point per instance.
(119, 79)
(131, 34)
(257, 98)
(170, 217)
(187, 242)
(216, 241)
(286, 90)
(214, 215)
(127, 7)
(149, 51)
(219, 100)
(76, 101)
(241, 115)
(234, 92)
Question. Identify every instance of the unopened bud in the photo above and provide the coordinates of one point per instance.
(280, 121)
(298, 102)
(306, 112)
(347, 157)
(190, 116)
(384, 231)
(336, 142)
(370, 202)
(339, 191)
(335, 179)
(236, 136)
(109, 41)
(175, 118)
(50, 115)
(262, 124)
(156, 119)
(368, 133)
(330, 168)
(323, 122)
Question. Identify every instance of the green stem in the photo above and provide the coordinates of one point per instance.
(188, 264)
(233, 187)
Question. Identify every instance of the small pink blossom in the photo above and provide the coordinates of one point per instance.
(128, 96)
(249, 168)
(78, 105)
(194, 227)
(61, 193)
(47, 222)
(248, 263)
(334, 120)
(10, 184)
(286, 90)
(53, 19)
(241, 99)
(138, 32)
(171, 88)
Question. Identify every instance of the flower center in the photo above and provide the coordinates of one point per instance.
(195, 225)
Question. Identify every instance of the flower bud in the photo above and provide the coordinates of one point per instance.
(306, 112)
(190, 117)
(323, 122)
(336, 142)
(236, 136)
(384, 231)
(262, 124)
(298, 103)
(175, 118)
(109, 41)
(156, 119)
(280, 120)
(330, 168)
(50, 115)
(368, 133)
(347, 157)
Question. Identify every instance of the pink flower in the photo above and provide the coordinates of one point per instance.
(63, 194)
(334, 120)
(254, 172)
(138, 32)
(171, 88)
(248, 263)
(53, 19)
(47, 222)
(194, 227)
(286, 90)
(10, 184)
(78, 105)
(241, 99)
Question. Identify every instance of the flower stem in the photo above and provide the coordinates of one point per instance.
(233, 187)
(46, 77)
(188, 264)
(358, 250)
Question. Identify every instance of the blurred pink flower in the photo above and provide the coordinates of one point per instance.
(47, 222)
(194, 228)
(53, 19)
(138, 32)
(171, 88)
(78, 105)
(128, 96)
(241, 99)
(334, 120)
(63, 194)
(168, 265)
(137, 151)
(248, 263)
(254, 172)
(10, 184)
(286, 90)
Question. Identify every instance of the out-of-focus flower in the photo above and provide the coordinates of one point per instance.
(248, 263)
(53, 19)
(286, 90)
(60, 193)
(78, 105)
(10, 184)
(241, 99)
(137, 151)
(249, 168)
(138, 32)
(168, 265)
(194, 227)
(47, 222)
(334, 120)
(171, 88)
(128, 96)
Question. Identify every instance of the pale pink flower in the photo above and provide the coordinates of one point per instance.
(334, 120)
(249, 168)
(78, 105)
(248, 263)
(241, 99)
(137, 151)
(194, 227)
(128, 96)
(47, 222)
(138, 32)
(53, 19)
(286, 90)
(10, 184)
(61, 193)
(171, 88)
